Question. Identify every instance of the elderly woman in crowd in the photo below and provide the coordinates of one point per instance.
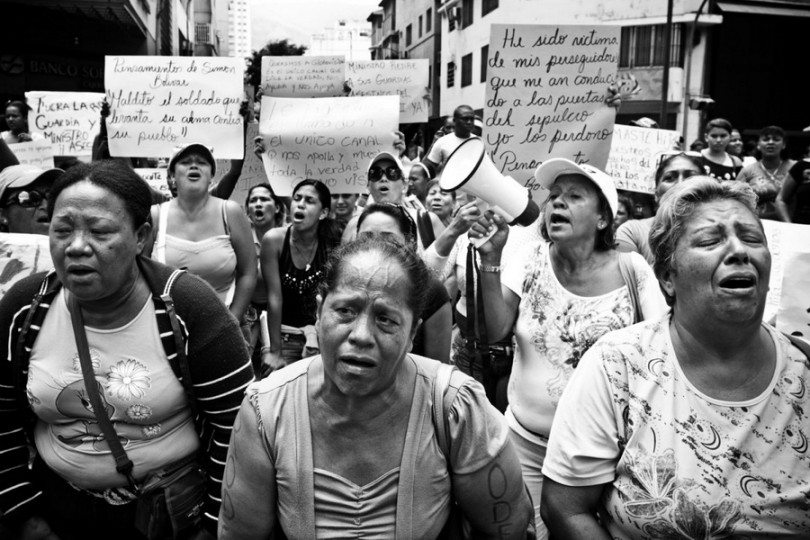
(559, 298)
(767, 175)
(634, 235)
(693, 425)
(209, 236)
(293, 260)
(386, 183)
(345, 444)
(441, 202)
(393, 222)
(130, 307)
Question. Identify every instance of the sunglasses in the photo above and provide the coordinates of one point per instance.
(26, 199)
(375, 174)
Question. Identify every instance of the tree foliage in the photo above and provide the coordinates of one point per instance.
(276, 47)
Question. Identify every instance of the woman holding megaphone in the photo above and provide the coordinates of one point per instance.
(559, 297)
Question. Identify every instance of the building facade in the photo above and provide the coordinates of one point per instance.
(60, 45)
(350, 39)
(716, 63)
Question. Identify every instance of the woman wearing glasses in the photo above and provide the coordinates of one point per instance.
(387, 184)
(23, 193)
(292, 263)
(634, 234)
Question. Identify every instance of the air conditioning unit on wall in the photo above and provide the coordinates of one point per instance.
(202, 33)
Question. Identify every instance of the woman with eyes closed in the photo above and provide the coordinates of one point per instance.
(345, 444)
(292, 261)
(694, 424)
(559, 298)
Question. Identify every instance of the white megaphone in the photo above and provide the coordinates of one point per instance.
(470, 169)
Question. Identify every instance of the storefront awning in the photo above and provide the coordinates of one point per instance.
(778, 9)
(121, 12)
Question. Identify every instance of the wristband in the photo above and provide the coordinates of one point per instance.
(494, 269)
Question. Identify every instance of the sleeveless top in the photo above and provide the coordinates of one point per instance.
(721, 171)
(299, 286)
(213, 259)
(409, 501)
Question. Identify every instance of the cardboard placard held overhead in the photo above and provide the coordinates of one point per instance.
(161, 102)
(303, 76)
(37, 153)
(545, 95)
(788, 302)
(69, 120)
(407, 79)
(634, 154)
(328, 139)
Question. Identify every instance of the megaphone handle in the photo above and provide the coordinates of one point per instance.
(478, 242)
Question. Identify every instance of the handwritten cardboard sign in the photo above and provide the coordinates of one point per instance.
(20, 256)
(303, 76)
(70, 120)
(160, 102)
(37, 153)
(545, 95)
(407, 79)
(634, 154)
(329, 139)
(156, 178)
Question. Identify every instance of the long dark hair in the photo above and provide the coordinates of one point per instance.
(328, 230)
(281, 208)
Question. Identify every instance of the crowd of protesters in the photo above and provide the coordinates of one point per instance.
(613, 375)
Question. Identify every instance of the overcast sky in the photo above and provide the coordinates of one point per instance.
(296, 20)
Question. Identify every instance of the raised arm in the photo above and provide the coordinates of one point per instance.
(242, 240)
(249, 496)
(500, 302)
(270, 252)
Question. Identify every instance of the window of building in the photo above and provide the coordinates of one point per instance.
(466, 70)
(488, 6)
(466, 13)
(451, 74)
(451, 20)
(408, 34)
(643, 46)
(429, 20)
(484, 57)
(420, 26)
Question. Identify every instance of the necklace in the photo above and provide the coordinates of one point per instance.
(771, 174)
(305, 255)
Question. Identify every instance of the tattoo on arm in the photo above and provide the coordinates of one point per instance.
(501, 509)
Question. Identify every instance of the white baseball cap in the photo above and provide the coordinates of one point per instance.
(548, 172)
(386, 155)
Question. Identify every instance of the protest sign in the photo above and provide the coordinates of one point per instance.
(70, 120)
(156, 178)
(407, 79)
(20, 256)
(788, 300)
(303, 76)
(634, 154)
(37, 153)
(160, 102)
(545, 95)
(252, 168)
(329, 139)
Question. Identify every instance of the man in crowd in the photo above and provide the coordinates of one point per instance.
(463, 124)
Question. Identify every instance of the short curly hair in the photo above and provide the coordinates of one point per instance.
(676, 209)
